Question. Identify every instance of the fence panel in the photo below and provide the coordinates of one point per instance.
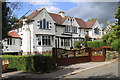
(67, 57)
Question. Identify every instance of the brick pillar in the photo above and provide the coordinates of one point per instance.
(104, 53)
(90, 53)
(74, 53)
(54, 52)
(74, 61)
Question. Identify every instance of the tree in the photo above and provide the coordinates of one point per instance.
(117, 14)
(8, 19)
(111, 37)
(5, 20)
(116, 27)
(111, 22)
(85, 40)
(105, 22)
(93, 19)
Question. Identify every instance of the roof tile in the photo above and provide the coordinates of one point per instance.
(59, 20)
(14, 34)
(90, 23)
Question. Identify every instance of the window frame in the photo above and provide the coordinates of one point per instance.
(45, 40)
(44, 24)
(65, 42)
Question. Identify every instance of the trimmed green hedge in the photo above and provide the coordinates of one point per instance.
(96, 44)
(32, 63)
(116, 45)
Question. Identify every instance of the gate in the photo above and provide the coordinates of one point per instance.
(98, 54)
(67, 57)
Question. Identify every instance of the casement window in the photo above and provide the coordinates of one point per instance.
(10, 41)
(74, 29)
(69, 29)
(62, 42)
(65, 42)
(43, 40)
(44, 24)
(13, 41)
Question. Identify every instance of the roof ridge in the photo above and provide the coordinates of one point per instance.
(92, 23)
(34, 13)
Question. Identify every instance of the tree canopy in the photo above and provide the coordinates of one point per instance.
(115, 35)
(8, 19)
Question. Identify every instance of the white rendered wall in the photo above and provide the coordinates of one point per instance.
(94, 35)
(14, 47)
(36, 31)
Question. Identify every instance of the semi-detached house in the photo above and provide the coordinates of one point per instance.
(48, 30)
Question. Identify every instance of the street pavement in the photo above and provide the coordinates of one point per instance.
(106, 71)
(70, 71)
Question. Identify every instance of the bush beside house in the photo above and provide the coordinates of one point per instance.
(111, 55)
(116, 45)
(96, 44)
(77, 44)
(31, 63)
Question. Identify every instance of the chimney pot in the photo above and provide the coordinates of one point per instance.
(62, 13)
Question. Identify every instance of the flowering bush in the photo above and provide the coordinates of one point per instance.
(111, 55)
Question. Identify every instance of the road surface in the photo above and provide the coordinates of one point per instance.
(105, 71)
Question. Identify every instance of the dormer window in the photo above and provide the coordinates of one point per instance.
(68, 19)
(44, 24)
(73, 19)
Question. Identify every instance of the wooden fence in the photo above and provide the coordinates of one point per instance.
(67, 57)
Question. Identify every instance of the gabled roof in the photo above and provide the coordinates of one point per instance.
(81, 23)
(35, 13)
(59, 19)
(89, 24)
(63, 19)
(14, 34)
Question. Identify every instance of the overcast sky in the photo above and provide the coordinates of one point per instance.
(100, 10)
(83, 10)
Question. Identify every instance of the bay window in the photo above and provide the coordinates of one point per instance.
(44, 40)
(65, 42)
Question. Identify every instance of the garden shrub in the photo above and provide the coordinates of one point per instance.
(32, 63)
(116, 45)
(96, 44)
(77, 44)
(111, 55)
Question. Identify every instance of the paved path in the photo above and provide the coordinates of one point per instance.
(65, 71)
